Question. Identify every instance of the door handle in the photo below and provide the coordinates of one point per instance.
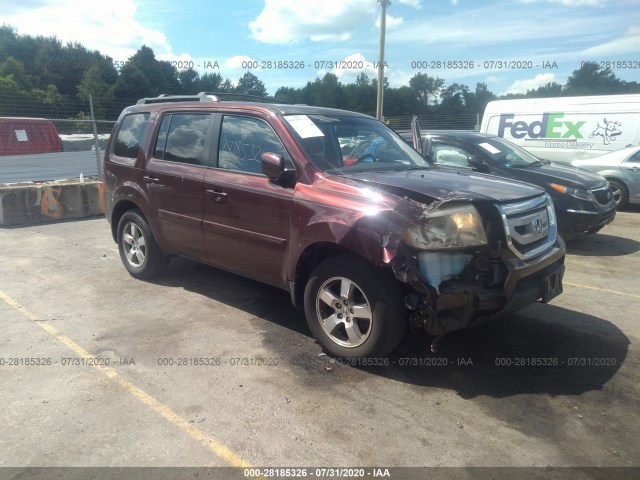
(149, 179)
(219, 197)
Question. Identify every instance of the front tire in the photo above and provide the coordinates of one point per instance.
(139, 251)
(620, 193)
(353, 309)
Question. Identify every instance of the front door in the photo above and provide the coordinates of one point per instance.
(246, 217)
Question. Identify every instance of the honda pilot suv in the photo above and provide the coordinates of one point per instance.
(368, 246)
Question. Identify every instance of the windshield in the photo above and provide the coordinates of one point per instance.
(346, 144)
(506, 153)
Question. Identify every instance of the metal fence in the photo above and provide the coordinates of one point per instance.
(37, 149)
(437, 122)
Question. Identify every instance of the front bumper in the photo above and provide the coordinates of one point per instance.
(511, 283)
(584, 222)
(582, 217)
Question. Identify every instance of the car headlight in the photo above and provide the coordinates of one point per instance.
(454, 226)
(578, 193)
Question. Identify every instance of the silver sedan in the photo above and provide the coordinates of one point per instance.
(622, 169)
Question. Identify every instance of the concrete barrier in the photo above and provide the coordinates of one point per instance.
(51, 201)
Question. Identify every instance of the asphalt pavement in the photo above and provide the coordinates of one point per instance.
(205, 368)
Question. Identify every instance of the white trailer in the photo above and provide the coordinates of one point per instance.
(564, 129)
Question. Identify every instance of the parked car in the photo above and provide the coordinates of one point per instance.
(621, 169)
(368, 249)
(26, 136)
(583, 201)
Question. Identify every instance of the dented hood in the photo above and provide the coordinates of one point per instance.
(440, 184)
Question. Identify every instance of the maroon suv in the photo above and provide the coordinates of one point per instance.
(368, 244)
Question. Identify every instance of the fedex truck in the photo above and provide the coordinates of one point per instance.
(566, 128)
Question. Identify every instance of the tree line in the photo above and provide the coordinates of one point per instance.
(39, 76)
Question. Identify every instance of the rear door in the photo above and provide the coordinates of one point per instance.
(246, 217)
(174, 180)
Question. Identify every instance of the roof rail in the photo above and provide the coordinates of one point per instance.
(201, 97)
(242, 96)
(205, 97)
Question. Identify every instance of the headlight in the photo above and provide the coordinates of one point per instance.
(578, 193)
(455, 226)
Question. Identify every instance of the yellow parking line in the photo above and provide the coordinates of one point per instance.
(602, 290)
(205, 439)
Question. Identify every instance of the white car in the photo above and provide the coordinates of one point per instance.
(622, 169)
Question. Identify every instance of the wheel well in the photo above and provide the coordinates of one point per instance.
(310, 258)
(117, 213)
(620, 181)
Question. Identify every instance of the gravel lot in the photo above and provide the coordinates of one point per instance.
(205, 368)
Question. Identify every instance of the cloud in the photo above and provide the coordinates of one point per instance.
(290, 21)
(521, 86)
(110, 27)
(411, 3)
(454, 2)
(392, 22)
(571, 3)
(353, 64)
(627, 44)
(235, 63)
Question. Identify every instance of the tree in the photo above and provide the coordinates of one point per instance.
(93, 83)
(592, 79)
(15, 69)
(328, 92)
(361, 96)
(209, 82)
(189, 80)
(133, 84)
(288, 95)
(454, 98)
(400, 101)
(425, 87)
(249, 84)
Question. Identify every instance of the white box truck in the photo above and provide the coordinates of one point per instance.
(564, 129)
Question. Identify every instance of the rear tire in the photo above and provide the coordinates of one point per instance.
(620, 193)
(353, 309)
(139, 251)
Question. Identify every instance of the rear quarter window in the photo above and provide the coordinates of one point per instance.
(130, 135)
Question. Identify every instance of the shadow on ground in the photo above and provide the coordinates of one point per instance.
(602, 245)
(543, 349)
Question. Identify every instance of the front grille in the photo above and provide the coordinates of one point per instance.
(603, 195)
(530, 226)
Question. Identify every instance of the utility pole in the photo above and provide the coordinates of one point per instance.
(383, 26)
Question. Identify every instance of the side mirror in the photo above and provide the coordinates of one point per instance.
(476, 162)
(274, 168)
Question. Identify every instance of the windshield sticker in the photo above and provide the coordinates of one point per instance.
(304, 126)
(489, 148)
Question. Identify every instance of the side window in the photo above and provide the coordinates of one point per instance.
(447, 154)
(243, 140)
(130, 135)
(181, 138)
(635, 158)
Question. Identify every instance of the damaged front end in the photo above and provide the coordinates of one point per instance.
(465, 262)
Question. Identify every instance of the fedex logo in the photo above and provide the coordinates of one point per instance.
(552, 125)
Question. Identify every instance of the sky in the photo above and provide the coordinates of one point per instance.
(512, 46)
